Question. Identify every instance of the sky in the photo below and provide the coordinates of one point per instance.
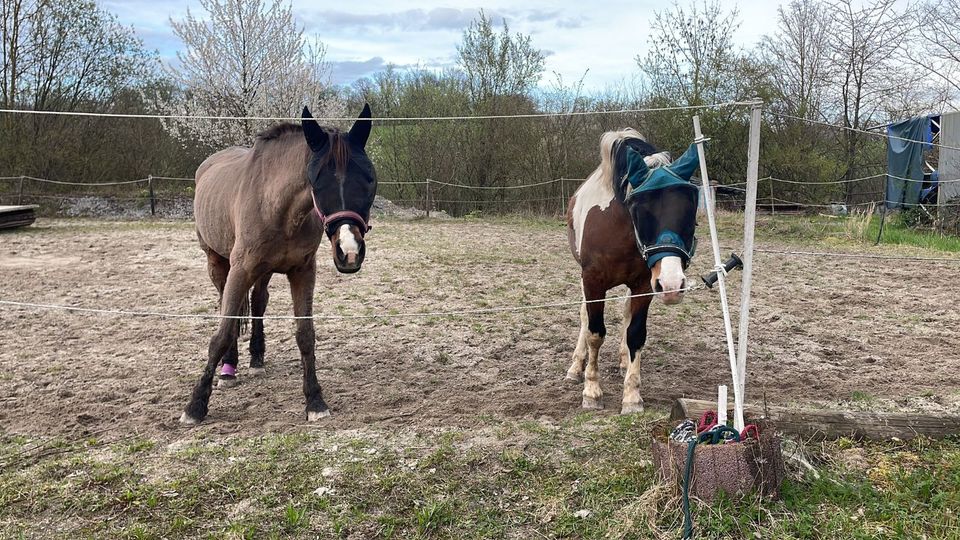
(603, 37)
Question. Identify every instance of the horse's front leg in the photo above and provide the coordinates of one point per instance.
(624, 347)
(301, 288)
(592, 393)
(636, 336)
(238, 283)
(575, 372)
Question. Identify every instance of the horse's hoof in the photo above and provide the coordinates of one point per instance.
(227, 381)
(256, 371)
(188, 420)
(632, 408)
(574, 378)
(592, 404)
(315, 416)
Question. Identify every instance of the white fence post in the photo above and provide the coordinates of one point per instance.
(749, 219)
(721, 279)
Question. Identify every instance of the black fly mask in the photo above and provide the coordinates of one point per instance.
(662, 202)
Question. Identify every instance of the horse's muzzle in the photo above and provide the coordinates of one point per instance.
(348, 263)
(670, 297)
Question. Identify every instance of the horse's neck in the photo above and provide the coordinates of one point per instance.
(284, 186)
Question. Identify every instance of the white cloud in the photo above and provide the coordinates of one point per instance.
(602, 36)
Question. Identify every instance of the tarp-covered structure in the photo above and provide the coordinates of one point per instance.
(907, 144)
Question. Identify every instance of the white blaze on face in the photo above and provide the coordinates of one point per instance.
(671, 279)
(348, 243)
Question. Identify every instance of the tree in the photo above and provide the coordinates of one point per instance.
(692, 60)
(248, 58)
(799, 63)
(67, 54)
(500, 72)
(497, 65)
(692, 55)
(70, 55)
(939, 53)
(798, 57)
(867, 42)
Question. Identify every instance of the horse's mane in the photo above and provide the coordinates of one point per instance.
(277, 131)
(613, 161)
(339, 148)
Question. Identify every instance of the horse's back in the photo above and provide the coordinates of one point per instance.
(218, 183)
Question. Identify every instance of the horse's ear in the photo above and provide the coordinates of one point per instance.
(361, 128)
(317, 140)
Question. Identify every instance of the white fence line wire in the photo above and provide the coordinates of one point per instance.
(64, 183)
(484, 201)
(775, 200)
(382, 119)
(855, 130)
(857, 255)
(851, 180)
(515, 186)
(402, 183)
(415, 314)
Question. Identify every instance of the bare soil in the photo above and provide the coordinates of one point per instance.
(868, 333)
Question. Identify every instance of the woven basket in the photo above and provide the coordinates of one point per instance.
(733, 468)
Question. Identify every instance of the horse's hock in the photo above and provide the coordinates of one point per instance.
(733, 468)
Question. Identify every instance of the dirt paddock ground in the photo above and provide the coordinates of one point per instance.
(866, 333)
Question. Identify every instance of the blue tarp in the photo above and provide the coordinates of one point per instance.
(905, 160)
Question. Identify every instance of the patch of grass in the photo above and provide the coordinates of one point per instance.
(860, 396)
(587, 477)
(434, 516)
(853, 231)
(293, 517)
(896, 233)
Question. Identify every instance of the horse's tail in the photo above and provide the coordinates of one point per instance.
(244, 321)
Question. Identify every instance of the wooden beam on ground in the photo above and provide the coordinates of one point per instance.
(822, 424)
(17, 216)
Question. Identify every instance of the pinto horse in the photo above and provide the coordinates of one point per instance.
(628, 228)
(261, 211)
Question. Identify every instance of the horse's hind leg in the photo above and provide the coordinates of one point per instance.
(219, 269)
(302, 281)
(636, 336)
(592, 394)
(258, 306)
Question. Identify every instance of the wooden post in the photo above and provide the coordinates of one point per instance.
(153, 200)
(773, 208)
(428, 197)
(833, 424)
(883, 217)
(563, 199)
(749, 219)
(20, 192)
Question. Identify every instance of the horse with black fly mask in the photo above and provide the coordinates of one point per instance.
(632, 223)
(262, 211)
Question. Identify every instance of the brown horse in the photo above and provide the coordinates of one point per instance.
(641, 239)
(261, 211)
